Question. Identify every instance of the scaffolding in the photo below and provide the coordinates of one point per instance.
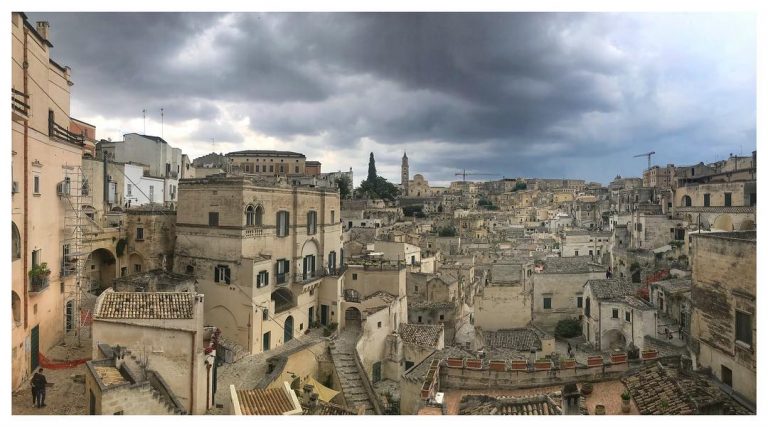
(75, 192)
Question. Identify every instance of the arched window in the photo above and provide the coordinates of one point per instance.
(686, 201)
(250, 216)
(15, 242)
(16, 306)
(587, 307)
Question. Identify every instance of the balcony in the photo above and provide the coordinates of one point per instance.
(253, 232)
(337, 271)
(38, 284)
(58, 132)
(309, 276)
(19, 106)
(351, 295)
(281, 279)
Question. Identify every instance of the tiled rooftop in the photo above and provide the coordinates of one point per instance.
(655, 393)
(637, 303)
(575, 264)
(674, 286)
(424, 305)
(384, 296)
(418, 372)
(325, 408)
(423, 335)
(272, 401)
(604, 289)
(142, 305)
(517, 339)
(528, 405)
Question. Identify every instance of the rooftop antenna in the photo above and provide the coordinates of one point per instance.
(144, 113)
(161, 122)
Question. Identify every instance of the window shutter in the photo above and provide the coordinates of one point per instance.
(216, 274)
(226, 274)
(287, 265)
(287, 224)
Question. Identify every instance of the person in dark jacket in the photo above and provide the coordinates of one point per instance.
(33, 383)
(40, 382)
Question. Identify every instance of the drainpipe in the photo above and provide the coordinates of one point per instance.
(599, 326)
(25, 66)
(193, 374)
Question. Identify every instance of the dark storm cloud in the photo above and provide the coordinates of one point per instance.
(515, 93)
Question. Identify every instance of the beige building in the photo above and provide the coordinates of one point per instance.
(161, 338)
(267, 256)
(505, 301)
(724, 297)
(270, 162)
(614, 318)
(659, 177)
(46, 175)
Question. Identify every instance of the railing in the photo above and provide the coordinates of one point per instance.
(59, 132)
(337, 271)
(254, 232)
(19, 102)
(281, 278)
(309, 276)
(38, 283)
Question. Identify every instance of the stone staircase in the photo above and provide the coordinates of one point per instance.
(162, 405)
(343, 355)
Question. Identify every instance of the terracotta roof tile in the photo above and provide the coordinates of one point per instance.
(516, 339)
(423, 335)
(143, 305)
(272, 401)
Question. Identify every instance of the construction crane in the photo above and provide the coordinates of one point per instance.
(649, 157)
(463, 174)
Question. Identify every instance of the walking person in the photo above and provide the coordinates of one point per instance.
(40, 383)
(33, 384)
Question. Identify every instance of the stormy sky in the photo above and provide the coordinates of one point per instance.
(516, 94)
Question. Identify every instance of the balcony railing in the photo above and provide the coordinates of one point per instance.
(337, 271)
(254, 232)
(38, 283)
(59, 132)
(281, 278)
(308, 276)
(19, 104)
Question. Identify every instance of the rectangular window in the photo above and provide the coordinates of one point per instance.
(579, 302)
(752, 199)
(36, 257)
(265, 314)
(213, 219)
(311, 222)
(628, 316)
(221, 274)
(139, 233)
(271, 168)
(263, 168)
(128, 190)
(333, 216)
(706, 199)
(36, 184)
(615, 313)
(262, 279)
(282, 223)
(419, 321)
(137, 268)
(283, 267)
(151, 193)
(726, 375)
(297, 169)
(576, 253)
(744, 327)
(547, 302)
(354, 276)
(590, 252)
(247, 167)
(727, 199)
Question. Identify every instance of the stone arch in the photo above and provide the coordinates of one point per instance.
(747, 224)
(221, 317)
(16, 306)
(613, 339)
(101, 268)
(310, 259)
(353, 318)
(254, 215)
(136, 259)
(283, 299)
(723, 222)
(686, 201)
(89, 212)
(15, 242)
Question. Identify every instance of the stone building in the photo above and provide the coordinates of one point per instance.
(162, 335)
(672, 299)
(614, 318)
(504, 302)
(270, 162)
(558, 288)
(659, 177)
(267, 255)
(585, 243)
(724, 297)
(46, 195)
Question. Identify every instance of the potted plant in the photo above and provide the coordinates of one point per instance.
(599, 409)
(625, 397)
(38, 275)
(586, 389)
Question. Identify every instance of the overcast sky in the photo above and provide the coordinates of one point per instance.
(517, 94)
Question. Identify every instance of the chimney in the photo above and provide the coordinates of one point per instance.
(571, 396)
(312, 404)
(42, 28)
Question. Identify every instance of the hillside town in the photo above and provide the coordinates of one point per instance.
(255, 282)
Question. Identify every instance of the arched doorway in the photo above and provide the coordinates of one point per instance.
(223, 319)
(283, 299)
(101, 268)
(15, 242)
(613, 340)
(747, 224)
(288, 329)
(353, 318)
(16, 306)
(723, 222)
(135, 263)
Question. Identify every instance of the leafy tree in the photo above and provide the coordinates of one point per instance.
(447, 231)
(520, 186)
(376, 187)
(568, 328)
(345, 186)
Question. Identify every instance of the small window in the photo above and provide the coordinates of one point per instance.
(262, 279)
(706, 200)
(221, 274)
(727, 199)
(128, 190)
(311, 222)
(151, 193)
(442, 317)
(576, 253)
(297, 169)
(190, 269)
(628, 316)
(547, 302)
(265, 314)
(271, 168)
(615, 313)
(213, 219)
(419, 319)
(744, 327)
(416, 288)
(282, 223)
(333, 216)
(139, 233)
(36, 184)
(137, 268)
(283, 268)
(36, 257)
(378, 325)
(354, 276)
(579, 302)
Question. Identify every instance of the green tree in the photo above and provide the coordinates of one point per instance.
(447, 231)
(371, 169)
(568, 328)
(345, 186)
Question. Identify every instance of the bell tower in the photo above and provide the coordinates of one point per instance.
(404, 175)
